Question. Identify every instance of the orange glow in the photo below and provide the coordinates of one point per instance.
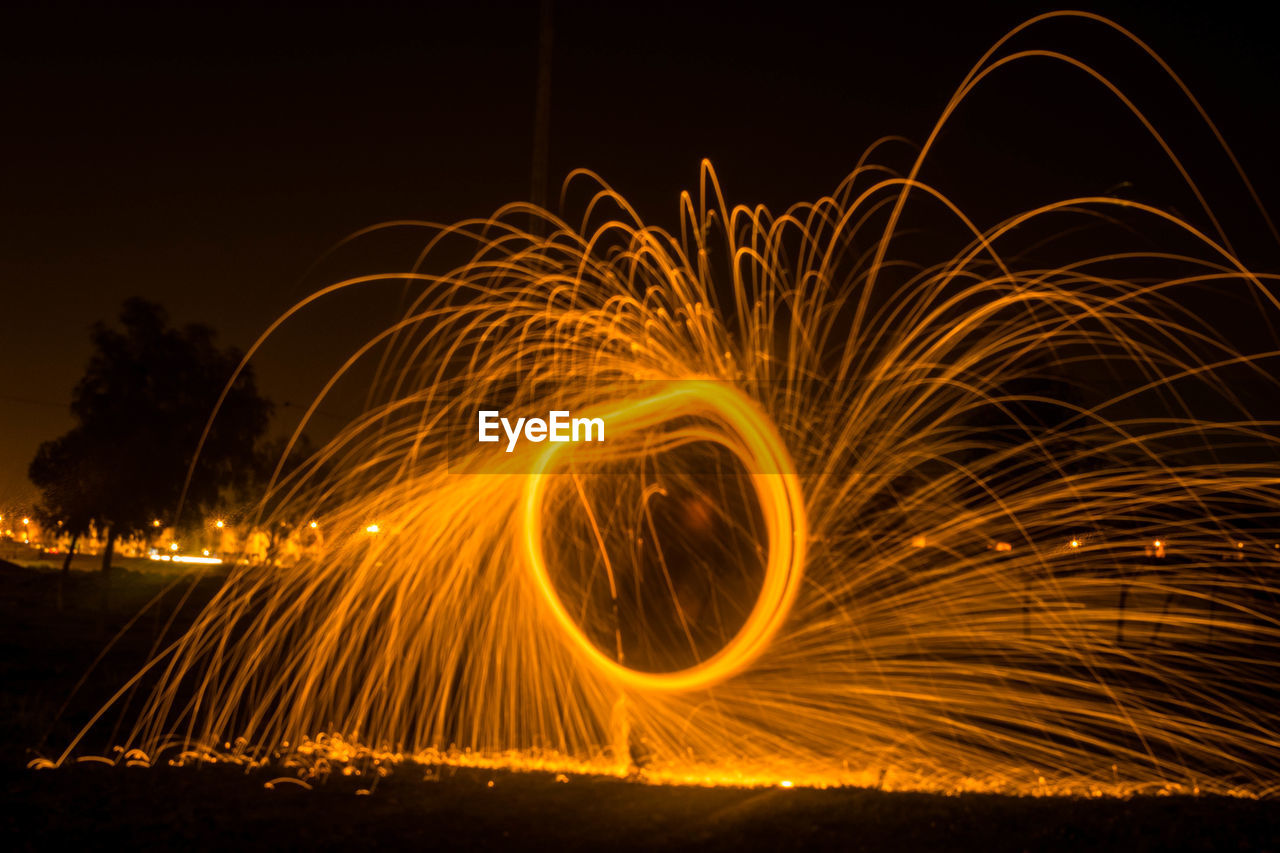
(733, 589)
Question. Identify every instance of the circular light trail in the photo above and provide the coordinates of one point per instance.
(748, 433)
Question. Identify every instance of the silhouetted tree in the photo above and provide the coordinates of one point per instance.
(67, 487)
(140, 407)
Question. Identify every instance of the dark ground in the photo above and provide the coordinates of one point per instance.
(46, 651)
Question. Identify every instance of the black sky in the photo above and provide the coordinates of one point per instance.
(205, 156)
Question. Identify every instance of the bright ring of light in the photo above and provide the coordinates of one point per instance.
(750, 435)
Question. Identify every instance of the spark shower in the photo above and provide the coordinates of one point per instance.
(888, 498)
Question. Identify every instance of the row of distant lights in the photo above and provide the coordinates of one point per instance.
(207, 558)
(221, 524)
(372, 528)
(1159, 545)
(917, 542)
(314, 525)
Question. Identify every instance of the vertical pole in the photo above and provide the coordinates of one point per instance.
(542, 111)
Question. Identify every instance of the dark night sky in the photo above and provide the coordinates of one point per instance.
(204, 157)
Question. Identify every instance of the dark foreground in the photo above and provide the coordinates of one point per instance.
(221, 807)
(44, 651)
